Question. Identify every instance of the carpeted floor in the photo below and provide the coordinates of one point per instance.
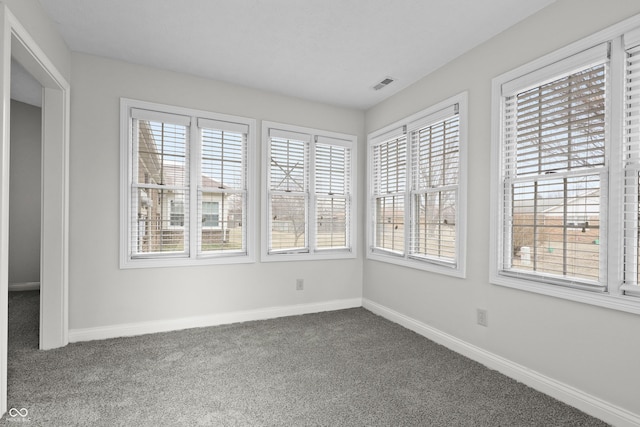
(344, 368)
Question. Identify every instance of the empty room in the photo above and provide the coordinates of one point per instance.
(340, 213)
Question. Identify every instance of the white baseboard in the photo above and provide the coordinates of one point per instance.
(132, 329)
(24, 286)
(587, 403)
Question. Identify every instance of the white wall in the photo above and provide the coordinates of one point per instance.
(24, 194)
(590, 348)
(103, 295)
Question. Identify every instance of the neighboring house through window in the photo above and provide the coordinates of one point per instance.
(186, 186)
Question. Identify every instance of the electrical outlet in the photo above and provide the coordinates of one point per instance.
(482, 317)
(299, 284)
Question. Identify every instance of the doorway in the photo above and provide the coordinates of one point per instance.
(25, 192)
(16, 43)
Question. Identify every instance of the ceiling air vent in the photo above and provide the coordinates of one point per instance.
(383, 83)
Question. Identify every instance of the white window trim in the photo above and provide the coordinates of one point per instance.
(312, 254)
(393, 130)
(126, 261)
(614, 297)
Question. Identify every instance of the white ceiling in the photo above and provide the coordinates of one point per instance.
(331, 51)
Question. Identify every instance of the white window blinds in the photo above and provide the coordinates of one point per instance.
(565, 211)
(309, 192)
(554, 175)
(222, 194)
(332, 193)
(435, 170)
(418, 189)
(389, 164)
(160, 184)
(186, 186)
(631, 151)
(288, 191)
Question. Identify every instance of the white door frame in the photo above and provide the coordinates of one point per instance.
(54, 254)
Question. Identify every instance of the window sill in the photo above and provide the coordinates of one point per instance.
(205, 259)
(317, 256)
(425, 265)
(626, 303)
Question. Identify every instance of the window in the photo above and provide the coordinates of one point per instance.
(631, 165)
(309, 193)
(186, 184)
(553, 175)
(210, 214)
(177, 213)
(418, 191)
(390, 182)
(565, 191)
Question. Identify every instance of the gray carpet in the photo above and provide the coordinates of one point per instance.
(343, 368)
